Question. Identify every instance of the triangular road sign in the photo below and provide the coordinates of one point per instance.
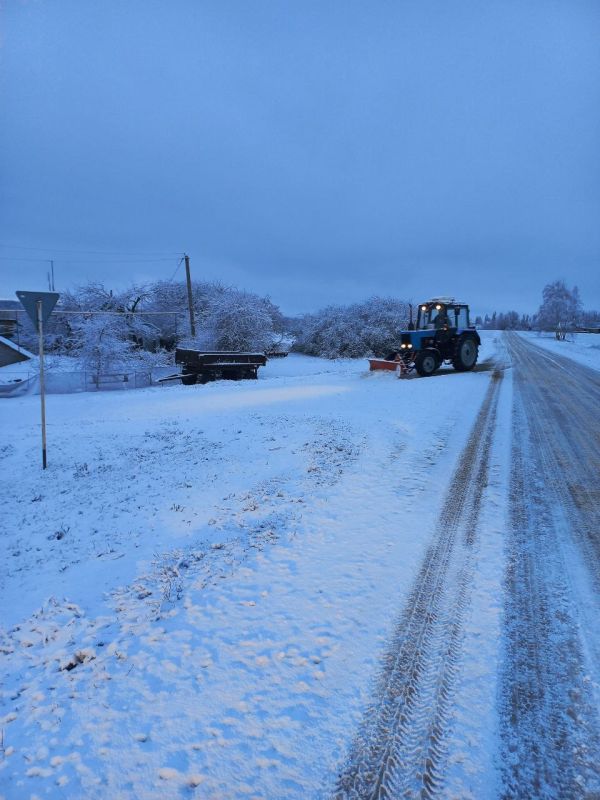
(29, 301)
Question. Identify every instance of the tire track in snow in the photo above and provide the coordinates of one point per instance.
(400, 748)
(549, 720)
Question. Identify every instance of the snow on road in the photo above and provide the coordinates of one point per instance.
(584, 348)
(197, 593)
(549, 697)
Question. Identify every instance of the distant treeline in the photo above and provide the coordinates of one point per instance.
(561, 308)
(502, 321)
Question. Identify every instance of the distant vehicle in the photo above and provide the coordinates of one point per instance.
(443, 333)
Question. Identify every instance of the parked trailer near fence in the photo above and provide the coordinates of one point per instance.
(198, 366)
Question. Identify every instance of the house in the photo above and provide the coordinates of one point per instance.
(9, 317)
(11, 353)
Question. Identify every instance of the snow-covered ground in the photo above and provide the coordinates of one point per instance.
(196, 592)
(581, 347)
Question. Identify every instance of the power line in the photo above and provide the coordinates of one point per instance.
(84, 261)
(19, 258)
(59, 312)
(90, 252)
(177, 268)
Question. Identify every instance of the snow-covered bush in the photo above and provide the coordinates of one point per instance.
(238, 321)
(361, 329)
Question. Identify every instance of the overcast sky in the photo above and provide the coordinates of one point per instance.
(319, 152)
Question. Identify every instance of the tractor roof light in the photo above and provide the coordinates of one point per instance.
(438, 307)
(423, 308)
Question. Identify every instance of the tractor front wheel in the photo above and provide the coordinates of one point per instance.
(427, 361)
(189, 379)
(465, 355)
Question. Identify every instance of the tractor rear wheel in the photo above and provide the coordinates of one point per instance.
(465, 354)
(427, 361)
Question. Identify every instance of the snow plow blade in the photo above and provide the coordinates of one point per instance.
(399, 367)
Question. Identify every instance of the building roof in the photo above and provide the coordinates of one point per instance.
(16, 347)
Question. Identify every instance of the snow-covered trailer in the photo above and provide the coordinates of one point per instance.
(198, 366)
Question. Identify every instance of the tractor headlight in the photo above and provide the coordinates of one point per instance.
(402, 346)
(409, 345)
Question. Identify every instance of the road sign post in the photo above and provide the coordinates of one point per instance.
(42, 386)
(38, 306)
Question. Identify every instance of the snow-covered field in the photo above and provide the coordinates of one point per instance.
(196, 592)
(581, 347)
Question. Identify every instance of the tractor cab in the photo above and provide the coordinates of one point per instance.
(442, 314)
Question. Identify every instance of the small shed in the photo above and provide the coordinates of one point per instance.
(11, 353)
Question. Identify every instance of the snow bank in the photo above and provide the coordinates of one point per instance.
(581, 347)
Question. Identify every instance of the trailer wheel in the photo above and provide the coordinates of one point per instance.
(189, 380)
(465, 354)
(427, 361)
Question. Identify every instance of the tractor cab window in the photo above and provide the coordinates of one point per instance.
(462, 317)
(433, 318)
(424, 321)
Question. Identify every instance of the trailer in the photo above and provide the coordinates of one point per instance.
(199, 366)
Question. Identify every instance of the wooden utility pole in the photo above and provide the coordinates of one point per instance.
(51, 277)
(38, 306)
(189, 291)
(42, 387)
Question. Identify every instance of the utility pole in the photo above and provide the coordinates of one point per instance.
(189, 291)
(42, 386)
(51, 277)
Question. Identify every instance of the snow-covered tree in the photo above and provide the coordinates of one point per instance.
(109, 334)
(504, 320)
(361, 329)
(561, 307)
(237, 320)
(101, 343)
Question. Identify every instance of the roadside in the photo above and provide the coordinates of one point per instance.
(263, 538)
(583, 348)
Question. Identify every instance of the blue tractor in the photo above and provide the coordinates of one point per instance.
(442, 333)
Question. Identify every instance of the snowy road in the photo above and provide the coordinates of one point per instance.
(324, 583)
(550, 720)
